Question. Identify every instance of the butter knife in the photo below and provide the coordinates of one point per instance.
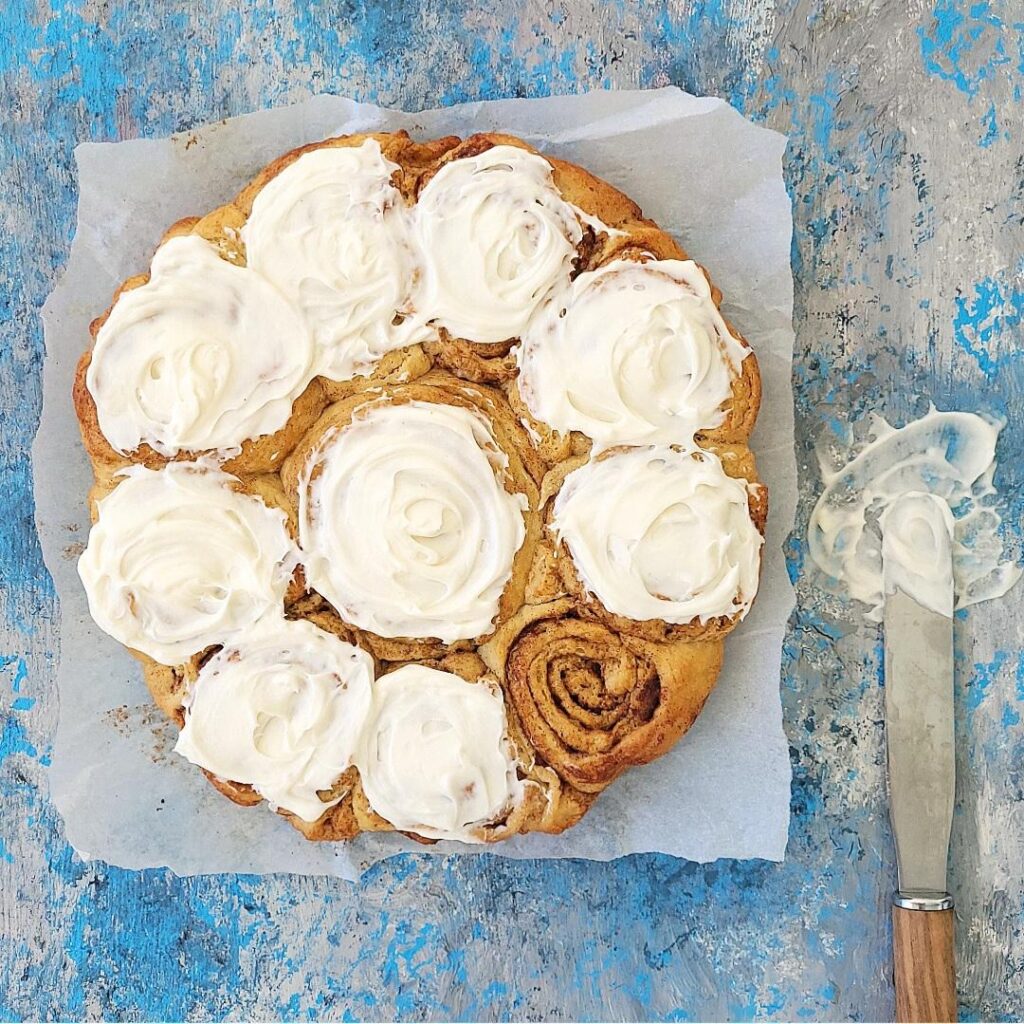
(922, 774)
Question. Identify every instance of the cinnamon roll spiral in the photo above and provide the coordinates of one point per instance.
(592, 702)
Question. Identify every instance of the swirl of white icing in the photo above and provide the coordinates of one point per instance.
(203, 357)
(405, 524)
(331, 231)
(631, 353)
(435, 757)
(179, 560)
(917, 549)
(947, 454)
(280, 709)
(499, 238)
(656, 533)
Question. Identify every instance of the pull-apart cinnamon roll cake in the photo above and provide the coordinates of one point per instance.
(422, 490)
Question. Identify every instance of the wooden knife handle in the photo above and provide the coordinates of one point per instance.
(922, 948)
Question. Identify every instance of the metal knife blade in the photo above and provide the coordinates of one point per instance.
(919, 740)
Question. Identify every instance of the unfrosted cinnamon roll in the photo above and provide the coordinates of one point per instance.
(591, 701)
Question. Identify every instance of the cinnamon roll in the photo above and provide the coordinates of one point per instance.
(435, 757)
(661, 537)
(591, 701)
(280, 710)
(634, 352)
(202, 357)
(500, 236)
(417, 514)
(179, 559)
(332, 232)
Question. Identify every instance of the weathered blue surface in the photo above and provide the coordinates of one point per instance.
(907, 177)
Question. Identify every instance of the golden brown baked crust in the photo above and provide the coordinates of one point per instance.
(588, 693)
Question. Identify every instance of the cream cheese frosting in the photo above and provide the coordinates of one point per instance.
(656, 533)
(950, 455)
(332, 232)
(203, 357)
(917, 550)
(404, 522)
(280, 709)
(499, 237)
(178, 560)
(435, 758)
(631, 353)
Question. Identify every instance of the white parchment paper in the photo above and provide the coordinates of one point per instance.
(705, 174)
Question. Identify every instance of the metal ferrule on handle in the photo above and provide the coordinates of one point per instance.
(923, 900)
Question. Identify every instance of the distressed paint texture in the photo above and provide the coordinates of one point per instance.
(907, 180)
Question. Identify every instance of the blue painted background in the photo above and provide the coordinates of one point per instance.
(907, 176)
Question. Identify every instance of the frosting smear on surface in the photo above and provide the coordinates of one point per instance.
(897, 478)
(917, 550)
